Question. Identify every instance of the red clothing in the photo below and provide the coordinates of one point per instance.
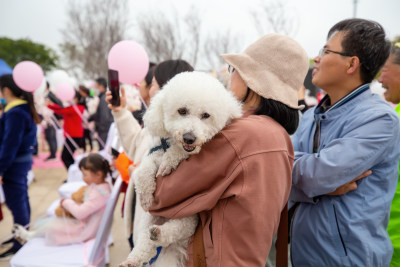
(72, 120)
(238, 183)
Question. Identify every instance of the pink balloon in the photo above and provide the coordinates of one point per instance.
(130, 60)
(65, 91)
(28, 75)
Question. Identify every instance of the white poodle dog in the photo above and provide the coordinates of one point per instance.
(190, 109)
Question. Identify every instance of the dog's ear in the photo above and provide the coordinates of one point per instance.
(234, 107)
(154, 117)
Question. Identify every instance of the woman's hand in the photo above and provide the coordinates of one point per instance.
(122, 98)
(1, 179)
(47, 102)
(350, 186)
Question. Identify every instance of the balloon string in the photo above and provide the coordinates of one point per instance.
(66, 135)
(86, 122)
(143, 102)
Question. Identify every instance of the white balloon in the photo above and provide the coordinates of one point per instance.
(58, 76)
(40, 90)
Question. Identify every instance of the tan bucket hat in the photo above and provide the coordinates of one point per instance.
(274, 67)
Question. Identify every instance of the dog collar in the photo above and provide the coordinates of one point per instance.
(164, 146)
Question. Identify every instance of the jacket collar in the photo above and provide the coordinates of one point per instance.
(324, 106)
(14, 104)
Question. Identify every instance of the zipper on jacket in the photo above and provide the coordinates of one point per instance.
(340, 235)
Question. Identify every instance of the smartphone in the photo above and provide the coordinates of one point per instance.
(113, 85)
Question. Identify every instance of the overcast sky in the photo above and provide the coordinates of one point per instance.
(41, 20)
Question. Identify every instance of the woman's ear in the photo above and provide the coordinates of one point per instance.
(154, 117)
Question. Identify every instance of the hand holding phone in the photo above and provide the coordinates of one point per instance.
(122, 98)
(113, 85)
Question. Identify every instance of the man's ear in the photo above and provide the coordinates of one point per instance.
(353, 65)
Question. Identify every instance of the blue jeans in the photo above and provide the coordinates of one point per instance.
(15, 186)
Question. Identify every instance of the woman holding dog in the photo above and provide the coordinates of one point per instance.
(136, 140)
(240, 181)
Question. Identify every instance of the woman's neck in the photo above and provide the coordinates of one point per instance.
(10, 98)
(147, 101)
(251, 103)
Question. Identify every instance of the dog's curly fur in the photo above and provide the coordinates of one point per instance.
(189, 111)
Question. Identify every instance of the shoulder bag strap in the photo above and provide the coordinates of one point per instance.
(282, 240)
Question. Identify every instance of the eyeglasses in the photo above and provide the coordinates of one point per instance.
(325, 51)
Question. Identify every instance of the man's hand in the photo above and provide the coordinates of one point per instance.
(122, 97)
(1, 179)
(350, 186)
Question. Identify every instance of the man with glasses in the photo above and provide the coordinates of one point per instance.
(346, 156)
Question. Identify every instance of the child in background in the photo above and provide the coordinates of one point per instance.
(87, 215)
(73, 129)
(17, 140)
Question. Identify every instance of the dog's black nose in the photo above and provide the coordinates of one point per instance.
(189, 138)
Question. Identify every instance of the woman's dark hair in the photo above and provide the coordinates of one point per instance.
(8, 81)
(365, 39)
(150, 73)
(94, 163)
(166, 70)
(80, 99)
(287, 117)
(84, 89)
(395, 51)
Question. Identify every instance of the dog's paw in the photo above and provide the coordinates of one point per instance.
(155, 233)
(131, 263)
(146, 200)
(164, 169)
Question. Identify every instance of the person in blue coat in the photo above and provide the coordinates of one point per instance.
(17, 141)
(339, 220)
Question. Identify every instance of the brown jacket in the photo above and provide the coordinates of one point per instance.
(239, 183)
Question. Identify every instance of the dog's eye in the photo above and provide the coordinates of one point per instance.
(182, 111)
(205, 116)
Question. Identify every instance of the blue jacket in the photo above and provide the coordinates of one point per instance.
(347, 230)
(17, 136)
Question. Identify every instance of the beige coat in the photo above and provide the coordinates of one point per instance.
(136, 142)
(239, 184)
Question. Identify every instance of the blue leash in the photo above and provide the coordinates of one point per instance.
(156, 256)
